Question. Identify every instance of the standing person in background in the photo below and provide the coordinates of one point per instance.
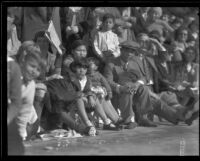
(51, 71)
(13, 42)
(32, 20)
(141, 20)
(70, 19)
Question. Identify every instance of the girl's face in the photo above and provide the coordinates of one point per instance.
(92, 66)
(165, 17)
(30, 69)
(108, 24)
(43, 43)
(189, 55)
(154, 15)
(176, 25)
(183, 35)
(80, 52)
(81, 72)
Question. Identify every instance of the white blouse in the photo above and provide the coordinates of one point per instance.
(105, 41)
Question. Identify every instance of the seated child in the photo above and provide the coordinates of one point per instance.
(88, 101)
(106, 44)
(102, 90)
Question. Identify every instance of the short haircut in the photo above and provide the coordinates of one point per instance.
(107, 16)
(81, 63)
(94, 60)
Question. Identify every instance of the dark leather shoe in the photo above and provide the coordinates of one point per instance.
(194, 116)
(110, 127)
(130, 125)
(146, 123)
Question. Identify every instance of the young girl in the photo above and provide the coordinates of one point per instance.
(31, 66)
(88, 101)
(106, 44)
(102, 90)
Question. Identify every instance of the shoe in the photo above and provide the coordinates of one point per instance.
(192, 118)
(119, 124)
(146, 123)
(130, 125)
(110, 127)
(91, 131)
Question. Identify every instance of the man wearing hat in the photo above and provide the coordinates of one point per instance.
(127, 94)
(124, 89)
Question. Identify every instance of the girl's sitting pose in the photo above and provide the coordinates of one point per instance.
(102, 90)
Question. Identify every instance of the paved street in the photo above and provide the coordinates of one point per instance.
(166, 139)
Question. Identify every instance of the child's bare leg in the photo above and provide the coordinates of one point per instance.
(110, 111)
(100, 111)
(82, 112)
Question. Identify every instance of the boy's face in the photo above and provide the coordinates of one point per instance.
(127, 53)
(108, 24)
(189, 55)
(30, 69)
(81, 72)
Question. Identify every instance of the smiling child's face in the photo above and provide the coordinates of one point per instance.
(30, 69)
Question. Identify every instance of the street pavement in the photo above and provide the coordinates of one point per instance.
(166, 139)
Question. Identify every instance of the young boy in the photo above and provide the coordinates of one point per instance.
(106, 44)
(88, 101)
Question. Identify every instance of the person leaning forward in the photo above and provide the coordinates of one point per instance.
(129, 90)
